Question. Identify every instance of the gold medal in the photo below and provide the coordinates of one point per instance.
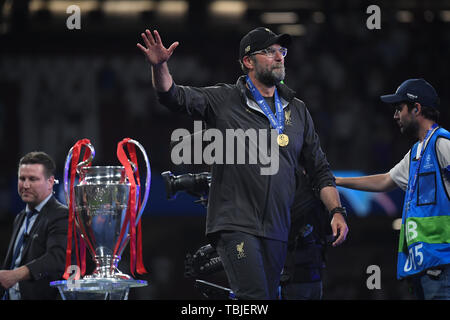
(282, 140)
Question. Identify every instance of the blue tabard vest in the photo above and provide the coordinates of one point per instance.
(425, 232)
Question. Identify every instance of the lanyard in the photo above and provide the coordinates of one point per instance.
(413, 181)
(278, 122)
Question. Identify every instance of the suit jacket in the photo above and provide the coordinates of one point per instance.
(45, 251)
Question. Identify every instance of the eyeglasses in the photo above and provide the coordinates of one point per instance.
(271, 52)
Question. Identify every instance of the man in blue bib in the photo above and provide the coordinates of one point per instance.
(424, 174)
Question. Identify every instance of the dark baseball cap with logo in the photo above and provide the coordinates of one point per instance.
(261, 38)
(414, 90)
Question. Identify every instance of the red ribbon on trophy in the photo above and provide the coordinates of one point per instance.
(72, 230)
(136, 260)
(139, 262)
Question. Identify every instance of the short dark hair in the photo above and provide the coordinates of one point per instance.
(40, 157)
(429, 113)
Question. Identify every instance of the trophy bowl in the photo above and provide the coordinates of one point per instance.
(101, 203)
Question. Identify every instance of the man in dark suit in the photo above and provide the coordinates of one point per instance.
(36, 252)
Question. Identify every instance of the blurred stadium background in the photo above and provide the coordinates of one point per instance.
(59, 85)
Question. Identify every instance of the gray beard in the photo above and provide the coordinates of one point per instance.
(270, 78)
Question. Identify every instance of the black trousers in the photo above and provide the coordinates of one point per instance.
(252, 264)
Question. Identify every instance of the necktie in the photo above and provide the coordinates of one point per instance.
(22, 239)
(21, 243)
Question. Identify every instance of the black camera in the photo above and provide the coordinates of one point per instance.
(205, 261)
(195, 184)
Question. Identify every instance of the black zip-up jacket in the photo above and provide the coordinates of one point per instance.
(240, 197)
(44, 253)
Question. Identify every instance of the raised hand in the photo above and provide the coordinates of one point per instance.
(154, 50)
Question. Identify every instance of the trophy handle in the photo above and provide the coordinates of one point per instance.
(148, 178)
(67, 167)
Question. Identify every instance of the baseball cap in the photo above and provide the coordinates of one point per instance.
(414, 90)
(261, 38)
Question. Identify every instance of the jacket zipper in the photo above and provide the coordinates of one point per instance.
(269, 138)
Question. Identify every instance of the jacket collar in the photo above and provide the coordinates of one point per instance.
(18, 222)
(40, 205)
(286, 94)
(49, 203)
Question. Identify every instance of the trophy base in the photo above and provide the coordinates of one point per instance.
(106, 267)
(96, 288)
(105, 273)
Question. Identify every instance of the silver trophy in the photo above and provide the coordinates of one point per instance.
(101, 200)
